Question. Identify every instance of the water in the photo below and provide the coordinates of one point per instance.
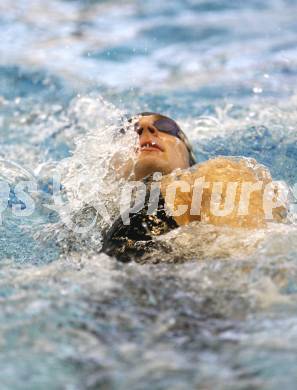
(73, 319)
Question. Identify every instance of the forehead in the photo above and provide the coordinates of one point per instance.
(148, 119)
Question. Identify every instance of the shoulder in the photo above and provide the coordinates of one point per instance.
(232, 168)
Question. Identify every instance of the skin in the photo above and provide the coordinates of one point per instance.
(164, 154)
(224, 170)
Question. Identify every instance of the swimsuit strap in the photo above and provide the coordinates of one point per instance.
(130, 242)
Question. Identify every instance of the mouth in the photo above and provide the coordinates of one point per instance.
(150, 146)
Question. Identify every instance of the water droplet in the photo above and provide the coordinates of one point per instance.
(257, 90)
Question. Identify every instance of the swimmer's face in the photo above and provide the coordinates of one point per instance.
(158, 151)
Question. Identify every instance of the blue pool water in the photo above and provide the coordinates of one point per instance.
(74, 319)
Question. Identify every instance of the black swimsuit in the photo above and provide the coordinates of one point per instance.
(131, 242)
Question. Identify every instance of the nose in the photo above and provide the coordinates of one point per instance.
(146, 129)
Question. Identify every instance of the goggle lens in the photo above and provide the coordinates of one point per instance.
(167, 126)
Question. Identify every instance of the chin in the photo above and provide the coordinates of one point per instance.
(146, 165)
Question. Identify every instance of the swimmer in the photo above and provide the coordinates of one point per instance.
(164, 147)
